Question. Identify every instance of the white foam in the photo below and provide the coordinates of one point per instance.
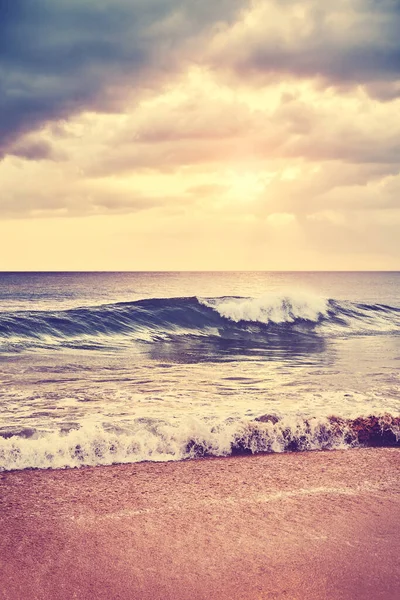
(92, 444)
(271, 308)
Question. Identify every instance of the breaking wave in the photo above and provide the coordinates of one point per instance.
(271, 309)
(164, 319)
(149, 440)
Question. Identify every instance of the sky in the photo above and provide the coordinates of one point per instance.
(199, 135)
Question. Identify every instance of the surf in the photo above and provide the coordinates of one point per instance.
(93, 444)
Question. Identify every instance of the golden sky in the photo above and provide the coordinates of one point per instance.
(187, 135)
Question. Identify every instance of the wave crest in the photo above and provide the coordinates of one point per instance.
(271, 308)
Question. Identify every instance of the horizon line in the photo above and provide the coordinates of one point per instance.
(100, 271)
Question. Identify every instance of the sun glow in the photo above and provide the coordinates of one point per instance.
(246, 185)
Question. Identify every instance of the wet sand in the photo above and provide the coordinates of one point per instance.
(318, 525)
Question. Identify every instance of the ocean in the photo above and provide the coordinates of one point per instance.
(104, 368)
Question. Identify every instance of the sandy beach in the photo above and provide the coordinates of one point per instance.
(317, 525)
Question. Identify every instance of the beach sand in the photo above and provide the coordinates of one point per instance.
(316, 525)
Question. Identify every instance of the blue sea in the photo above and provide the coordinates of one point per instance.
(102, 368)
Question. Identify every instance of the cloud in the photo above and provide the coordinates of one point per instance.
(343, 43)
(191, 127)
(75, 204)
(61, 58)
(34, 189)
(332, 188)
(31, 148)
(274, 131)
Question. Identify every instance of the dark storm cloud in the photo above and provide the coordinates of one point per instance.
(344, 43)
(59, 57)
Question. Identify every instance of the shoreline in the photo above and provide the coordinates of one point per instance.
(316, 525)
(267, 434)
(206, 458)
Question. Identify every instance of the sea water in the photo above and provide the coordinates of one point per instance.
(101, 368)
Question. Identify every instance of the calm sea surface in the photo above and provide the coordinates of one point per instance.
(97, 368)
